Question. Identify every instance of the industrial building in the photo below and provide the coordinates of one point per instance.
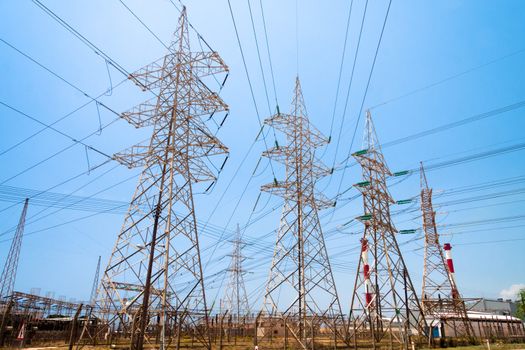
(483, 324)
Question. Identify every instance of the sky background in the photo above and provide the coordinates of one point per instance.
(439, 62)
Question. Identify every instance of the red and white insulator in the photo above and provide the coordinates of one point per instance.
(450, 266)
(366, 272)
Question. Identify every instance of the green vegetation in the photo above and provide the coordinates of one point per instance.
(520, 303)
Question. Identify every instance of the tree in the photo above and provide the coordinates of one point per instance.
(520, 305)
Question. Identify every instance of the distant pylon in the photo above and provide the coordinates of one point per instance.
(300, 292)
(93, 295)
(236, 301)
(153, 288)
(440, 298)
(7, 280)
(384, 306)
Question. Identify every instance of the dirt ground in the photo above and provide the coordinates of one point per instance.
(248, 345)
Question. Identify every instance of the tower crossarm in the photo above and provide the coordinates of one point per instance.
(281, 154)
(158, 109)
(201, 64)
(372, 161)
(207, 63)
(294, 125)
(146, 114)
(286, 155)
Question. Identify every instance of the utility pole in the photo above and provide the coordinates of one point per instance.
(7, 280)
(440, 297)
(155, 269)
(384, 303)
(301, 267)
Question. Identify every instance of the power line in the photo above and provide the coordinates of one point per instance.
(67, 82)
(235, 208)
(245, 67)
(13, 194)
(95, 99)
(143, 24)
(365, 94)
(341, 70)
(470, 199)
(125, 204)
(477, 187)
(444, 80)
(210, 247)
(268, 52)
(483, 186)
(59, 77)
(349, 85)
(486, 221)
(65, 201)
(498, 228)
(48, 126)
(83, 39)
(448, 126)
(484, 197)
(482, 155)
(61, 183)
(59, 152)
(490, 242)
(259, 57)
(461, 122)
(248, 77)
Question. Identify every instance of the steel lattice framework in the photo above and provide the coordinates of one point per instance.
(440, 298)
(94, 288)
(154, 277)
(301, 288)
(236, 301)
(384, 306)
(7, 280)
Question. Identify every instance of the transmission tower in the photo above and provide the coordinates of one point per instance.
(236, 301)
(440, 298)
(300, 290)
(93, 295)
(7, 280)
(384, 306)
(153, 281)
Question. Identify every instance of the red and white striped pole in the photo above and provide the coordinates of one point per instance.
(450, 265)
(366, 272)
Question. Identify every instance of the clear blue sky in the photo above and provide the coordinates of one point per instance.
(423, 43)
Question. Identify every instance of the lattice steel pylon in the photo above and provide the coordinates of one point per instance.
(384, 306)
(440, 298)
(236, 299)
(153, 282)
(300, 290)
(94, 288)
(7, 280)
